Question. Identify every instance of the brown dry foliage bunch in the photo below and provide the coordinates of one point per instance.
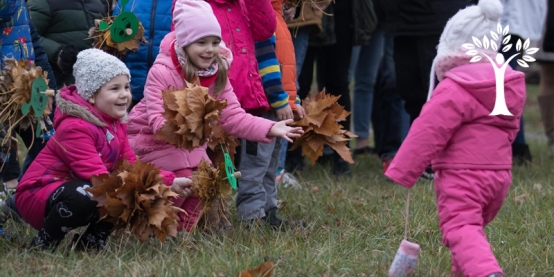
(213, 189)
(103, 39)
(15, 89)
(219, 139)
(321, 127)
(192, 119)
(134, 197)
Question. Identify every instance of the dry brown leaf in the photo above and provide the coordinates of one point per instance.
(264, 270)
(210, 184)
(16, 81)
(521, 198)
(133, 197)
(321, 127)
(192, 119)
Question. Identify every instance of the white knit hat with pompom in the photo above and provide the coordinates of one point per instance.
(474, 21)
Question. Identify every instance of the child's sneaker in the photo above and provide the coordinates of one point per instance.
(279, 224)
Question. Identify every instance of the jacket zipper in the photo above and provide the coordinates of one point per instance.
(151, 37)
(87, 17)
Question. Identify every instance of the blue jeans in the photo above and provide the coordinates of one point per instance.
(300, 37)
(366, 63)
(390, 120)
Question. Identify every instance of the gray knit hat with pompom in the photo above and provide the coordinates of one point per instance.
(94, 68)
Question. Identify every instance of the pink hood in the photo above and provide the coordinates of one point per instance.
(146, 118)
(455, 130)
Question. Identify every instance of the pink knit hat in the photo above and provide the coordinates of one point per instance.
(194, 19)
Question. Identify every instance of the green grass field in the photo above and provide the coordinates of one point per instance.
(354, 229)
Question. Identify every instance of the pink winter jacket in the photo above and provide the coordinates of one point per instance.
(80, 149)
(146, 118)
(243, 22)
(455, 130)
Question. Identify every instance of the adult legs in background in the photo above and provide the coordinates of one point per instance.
(295, 161)
(365, 76)
(390, 120)
(300, 37)
(546, 103)
(413, 57)
(333, 63)
(520, 149)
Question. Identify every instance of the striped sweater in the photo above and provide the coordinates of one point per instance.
(270, 71)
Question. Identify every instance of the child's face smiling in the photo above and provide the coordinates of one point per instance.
(114, 97)
(202, 52)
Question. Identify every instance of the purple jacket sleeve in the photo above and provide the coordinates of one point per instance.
(262, 18)
(238, 123)
(428, 135)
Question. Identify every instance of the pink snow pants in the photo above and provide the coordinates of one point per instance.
(467, 200)
(191, 205)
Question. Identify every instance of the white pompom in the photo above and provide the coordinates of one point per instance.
(492, 9)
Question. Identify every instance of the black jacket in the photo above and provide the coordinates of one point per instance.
(41, 59)
(363, 22)
(419, 17)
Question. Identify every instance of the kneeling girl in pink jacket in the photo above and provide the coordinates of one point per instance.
(90, 139)
(193, 50)
(469, 148)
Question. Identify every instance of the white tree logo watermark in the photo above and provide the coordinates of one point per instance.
(499, 64)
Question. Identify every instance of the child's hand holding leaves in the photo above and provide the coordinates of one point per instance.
(280, 129)
(182, 186)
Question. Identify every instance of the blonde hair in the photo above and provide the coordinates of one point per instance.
(190, 73)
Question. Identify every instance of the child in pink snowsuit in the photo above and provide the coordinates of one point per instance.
(470, 150)
(193, 50)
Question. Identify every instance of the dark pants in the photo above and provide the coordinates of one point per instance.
(70, 207)
(9, 162)
(389, 119)
(413, 57)
(520, 137)
(333, 63)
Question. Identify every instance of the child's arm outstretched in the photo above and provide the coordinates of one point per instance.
(429, 134)
(238, 123)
